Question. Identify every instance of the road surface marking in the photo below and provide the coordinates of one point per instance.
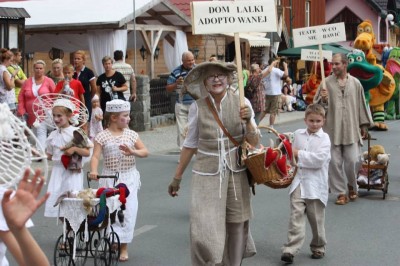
(143, 229)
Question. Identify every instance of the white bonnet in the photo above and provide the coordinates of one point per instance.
(95, 98)
(117, 106)
(64, 103)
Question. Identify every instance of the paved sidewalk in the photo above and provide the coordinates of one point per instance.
(162, 140)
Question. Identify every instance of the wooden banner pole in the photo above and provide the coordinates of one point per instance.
(238, 57)
(321, 62)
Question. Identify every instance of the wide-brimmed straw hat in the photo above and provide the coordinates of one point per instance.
(194, 81)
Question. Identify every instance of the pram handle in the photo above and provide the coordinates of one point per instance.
(115, 177)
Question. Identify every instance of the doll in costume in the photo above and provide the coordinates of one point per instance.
(74, 162)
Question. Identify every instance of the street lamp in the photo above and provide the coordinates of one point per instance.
(195, 51)
(143, 52)
(29, 57)
(156, 53)
(392, 18)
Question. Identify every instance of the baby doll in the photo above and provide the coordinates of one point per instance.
(97, 117)
(74, 162)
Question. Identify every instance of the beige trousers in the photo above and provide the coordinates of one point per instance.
(343, 167)
(314, 209)
(181, 115)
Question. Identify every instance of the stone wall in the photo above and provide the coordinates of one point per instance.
(140, 110)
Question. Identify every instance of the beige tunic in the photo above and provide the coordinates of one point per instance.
(346, 111)
(215, 165)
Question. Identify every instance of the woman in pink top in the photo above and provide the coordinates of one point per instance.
(34, 86)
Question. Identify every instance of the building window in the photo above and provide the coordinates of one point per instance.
(307, 14)
(350, 20)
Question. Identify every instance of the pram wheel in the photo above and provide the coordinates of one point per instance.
(103, 253)
(386, 186)
(94, 242)
(62, 252)
(81, 251)
(113, 238)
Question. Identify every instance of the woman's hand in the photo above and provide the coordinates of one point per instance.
(174, 187)
(245, 113)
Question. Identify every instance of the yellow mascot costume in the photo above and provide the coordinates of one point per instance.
(383, 92)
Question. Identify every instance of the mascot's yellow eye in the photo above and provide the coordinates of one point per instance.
(360, 29)
(359, 58)
(368, 29)
(351, 60)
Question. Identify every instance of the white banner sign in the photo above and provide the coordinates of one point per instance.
(313, 55)
(210, 17)
(329, 33)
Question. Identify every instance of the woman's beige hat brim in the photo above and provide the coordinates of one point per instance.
(194, 80)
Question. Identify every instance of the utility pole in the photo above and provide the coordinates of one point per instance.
(134, 37)
(291, 23)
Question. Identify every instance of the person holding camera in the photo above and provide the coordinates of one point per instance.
(272, 88)
(183, 99)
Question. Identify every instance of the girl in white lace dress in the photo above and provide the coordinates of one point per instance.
(119, 146)
(61, 179)
(96, 119)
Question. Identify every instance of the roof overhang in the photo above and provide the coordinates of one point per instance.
(80, 16)
(254, 39)
(13, 13)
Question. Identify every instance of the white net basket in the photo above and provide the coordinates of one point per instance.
(43, 105)
(17, 151)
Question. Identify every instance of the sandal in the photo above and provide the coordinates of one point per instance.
(352, 194)
(317, 254)
(342, 200)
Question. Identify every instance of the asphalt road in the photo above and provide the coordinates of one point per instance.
(365, 232)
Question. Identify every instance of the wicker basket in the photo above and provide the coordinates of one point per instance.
(270, 176)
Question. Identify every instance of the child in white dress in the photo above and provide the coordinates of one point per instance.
(96, 119)
(119, 146)
(61, 179)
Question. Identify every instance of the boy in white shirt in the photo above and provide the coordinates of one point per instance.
(309, 189)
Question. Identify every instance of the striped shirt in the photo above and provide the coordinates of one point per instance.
(126, 70)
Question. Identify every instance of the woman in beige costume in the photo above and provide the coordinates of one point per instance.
(220, 201)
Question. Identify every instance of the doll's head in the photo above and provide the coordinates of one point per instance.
(80, 138)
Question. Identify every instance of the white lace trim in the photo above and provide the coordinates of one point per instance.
(72, 210)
